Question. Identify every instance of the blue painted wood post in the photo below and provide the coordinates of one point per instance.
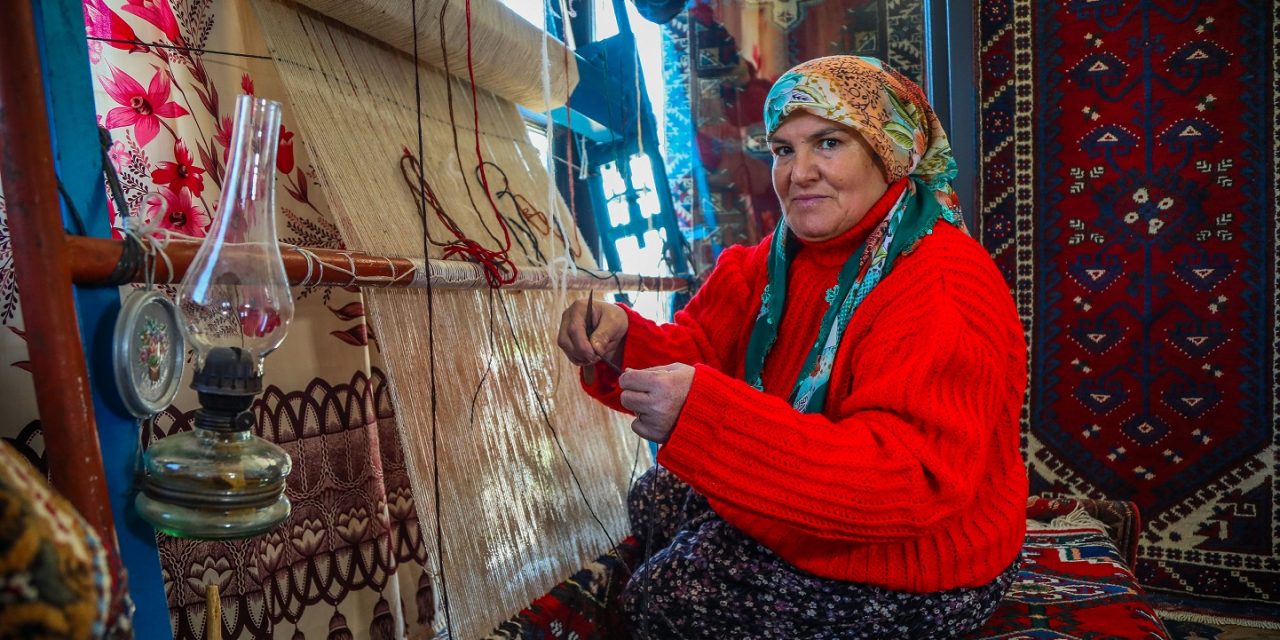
(64, 62)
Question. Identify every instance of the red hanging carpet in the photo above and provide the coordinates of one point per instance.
(1129, 195)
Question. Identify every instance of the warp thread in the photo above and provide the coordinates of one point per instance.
(520, 222)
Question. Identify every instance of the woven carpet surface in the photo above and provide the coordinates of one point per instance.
(1128, 193)
(1075, 580)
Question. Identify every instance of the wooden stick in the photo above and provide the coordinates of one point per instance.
(213, 613)
(94, 259)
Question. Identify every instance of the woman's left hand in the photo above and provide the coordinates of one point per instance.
(656, 395)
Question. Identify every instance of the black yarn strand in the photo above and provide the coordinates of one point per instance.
(174, 47)
(431, 340)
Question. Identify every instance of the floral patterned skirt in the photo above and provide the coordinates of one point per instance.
(703, 578)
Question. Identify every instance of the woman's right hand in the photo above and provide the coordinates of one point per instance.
(586, 340)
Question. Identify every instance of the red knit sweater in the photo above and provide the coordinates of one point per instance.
(912, 478)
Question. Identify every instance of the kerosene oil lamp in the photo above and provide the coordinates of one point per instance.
(219, 481)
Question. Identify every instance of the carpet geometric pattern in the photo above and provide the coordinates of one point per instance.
(1128, 193)
(1073, 584)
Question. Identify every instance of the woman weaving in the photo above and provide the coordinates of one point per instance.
(838, 404)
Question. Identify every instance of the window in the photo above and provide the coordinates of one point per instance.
(632, 222)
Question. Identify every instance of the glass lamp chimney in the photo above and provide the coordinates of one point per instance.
(235, 293)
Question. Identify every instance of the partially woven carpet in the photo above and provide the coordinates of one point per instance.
(1128, 193)
(584, 607)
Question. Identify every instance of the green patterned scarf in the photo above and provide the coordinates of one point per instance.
(893, 116)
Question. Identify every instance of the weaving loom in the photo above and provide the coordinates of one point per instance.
(512, 523)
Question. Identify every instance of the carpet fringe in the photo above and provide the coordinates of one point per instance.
(1181, 615)
(1079, 518)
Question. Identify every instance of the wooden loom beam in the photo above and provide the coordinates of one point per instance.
(58, 366)
(94, 262)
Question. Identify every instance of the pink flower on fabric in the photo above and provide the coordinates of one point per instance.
(159, 14)
(223, 135)
(258, 322)
(182, 173)
(102, 22)
(118, 154)
(918, 147)
(948, 198)
(284, 151)
(141, 109)
(177, 212)
(246, 84)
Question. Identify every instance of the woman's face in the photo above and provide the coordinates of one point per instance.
(825, 175)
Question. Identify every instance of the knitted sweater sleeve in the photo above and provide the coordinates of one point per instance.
(932, 374)
(690, 337)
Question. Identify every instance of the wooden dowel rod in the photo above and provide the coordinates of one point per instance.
(93, 261)
(213, 613)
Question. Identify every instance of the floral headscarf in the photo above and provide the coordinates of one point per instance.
(891, 113)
